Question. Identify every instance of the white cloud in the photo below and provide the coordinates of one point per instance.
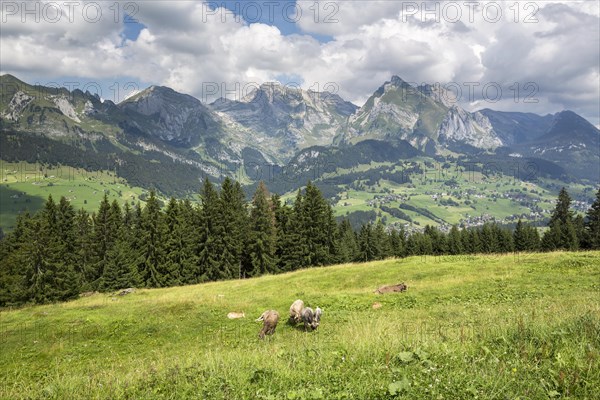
(185, 45)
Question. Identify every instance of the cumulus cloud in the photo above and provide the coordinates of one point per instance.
(185, 45)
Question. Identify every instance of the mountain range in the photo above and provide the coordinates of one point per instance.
(159, 132)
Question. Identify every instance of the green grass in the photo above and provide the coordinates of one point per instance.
(24, 187)
(420, 192)
(487, 327)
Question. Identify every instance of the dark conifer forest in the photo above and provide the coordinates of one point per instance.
(61, 252)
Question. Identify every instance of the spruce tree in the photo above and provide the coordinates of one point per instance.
(121, 270)
(211, 234)
(12, 259)
(348, 247)
(504, 240)
(84, 250)
(425, 244)
(419, 244)
(282, 215)
(115, 219)
(177, 252)
(136, 217)
(533, 238)
(190, 230)
(261, 246)
(68, 278)
(103, 238)
(580, 232)
(316, 225)
(562, 212)
(562, 233)
(381, 243)
(465, 240)
(569, 239)
(520, 238)
(38, 270)
(128, 216)
(56, 270)
(487, 239)
(366, 245)
(454, 241)
(331, 242)
(294, 249)
(234, 219)
(412, 247)
(437, 239)
(552, 239)
(136, 238)
(475, 235)
(151, 244)
(48, 277)
(525, 237)
(402, 250)
(395, 246)
(592, 224)
(473, 241)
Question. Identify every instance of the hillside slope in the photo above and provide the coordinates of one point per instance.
(486, 326)
(570, 141)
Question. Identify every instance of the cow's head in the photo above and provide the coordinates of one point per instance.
(317, 318)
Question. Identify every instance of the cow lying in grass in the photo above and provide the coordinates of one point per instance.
(401, 287)
(270, 319)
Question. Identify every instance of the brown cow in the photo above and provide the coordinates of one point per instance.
(401, 287)
(270, 319)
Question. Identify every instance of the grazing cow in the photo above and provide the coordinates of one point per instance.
(317, 321)
(296, 311)
(311, 318)
(270, 319)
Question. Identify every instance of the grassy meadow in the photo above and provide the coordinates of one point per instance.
(521, 326)
(421, 191)
(25, 187)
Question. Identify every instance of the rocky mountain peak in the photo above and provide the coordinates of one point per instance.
(399, 82)
(270, 92)
(286, 118)
(174, 117)
(473, 129)
(438, 93)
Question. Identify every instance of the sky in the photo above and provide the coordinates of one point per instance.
(530, 56)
